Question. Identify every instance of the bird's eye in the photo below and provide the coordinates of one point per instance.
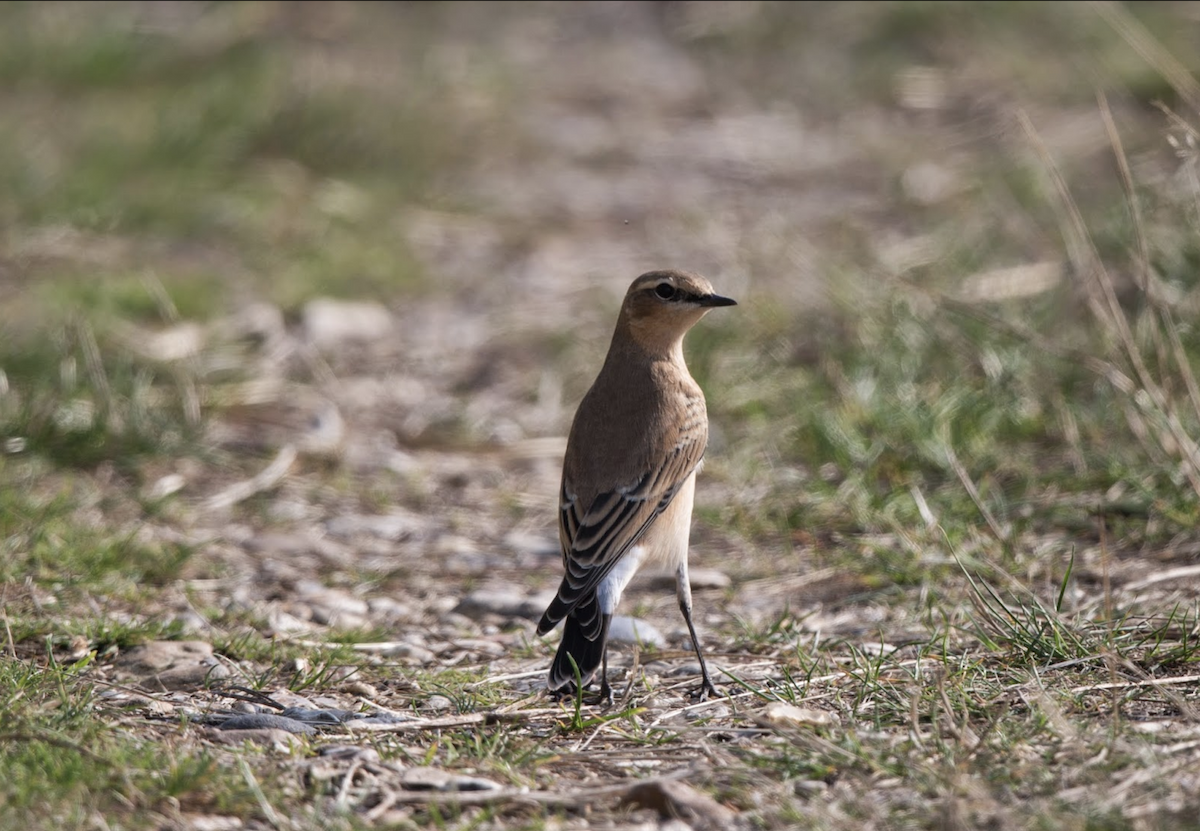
(665, 290)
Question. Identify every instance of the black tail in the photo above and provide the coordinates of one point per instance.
(556, 611)
(588, 653)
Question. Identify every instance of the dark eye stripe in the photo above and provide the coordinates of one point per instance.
(676, 295)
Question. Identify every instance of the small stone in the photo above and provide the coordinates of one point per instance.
(1015, 282)
(928, 183)
(283, 622)
(679, 800)
(173, 344)
(409, 653)
(160, 655)
(406, 464)
(363, 689)
(279, 739)
(435, 779)
(158, 707)
(327, 603)
(392, 527)
(691, 668)
(535, 544)
(719, 711)
(708, 578)
(781, 714)
(699, 578)
(805, 788)
(337, 618)
(389, 609)
(441, 605)
(261, 322)
(287, 698)
(453, 625)
(923, 88)
(481, 645)
(330, 323)
(348, 753)
(438, 703)
(483, 602)
(213, 822)
(319, 716)
(273, 542)
(165, 486)
(325, 434)
(172, 665)
(624, 629)
(1152, 726)
(267, 721)
(191, 622)
(454, 544)
(77, 648)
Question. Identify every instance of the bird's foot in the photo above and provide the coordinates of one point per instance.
(705, 690)
(603, 698)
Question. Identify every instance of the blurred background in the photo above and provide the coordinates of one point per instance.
(379, 248)
(297, 301)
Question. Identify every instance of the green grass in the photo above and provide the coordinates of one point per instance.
(65, 763)
(45, 543)
(984, 481)
(198, 162)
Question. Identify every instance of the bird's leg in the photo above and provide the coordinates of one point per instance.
(605, 698)
(683, 589)
(606, 692)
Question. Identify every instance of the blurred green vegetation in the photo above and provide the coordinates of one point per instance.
(172, 162)
(202, 153)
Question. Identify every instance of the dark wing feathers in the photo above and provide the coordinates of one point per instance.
(595, 536)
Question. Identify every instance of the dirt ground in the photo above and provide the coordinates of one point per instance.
(368, 509)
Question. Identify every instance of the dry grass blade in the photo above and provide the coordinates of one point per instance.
(272, 816)
(1102, 300)
(8, 636)
(1145, 44)
(1107, 370)
(95, 369)
(264, 480)
(1037, 631)
(1145, 682)
(965, 479)
(451, 722)
(1144, 271)
(573, 799)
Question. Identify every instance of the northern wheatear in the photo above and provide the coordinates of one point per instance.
(630, 472)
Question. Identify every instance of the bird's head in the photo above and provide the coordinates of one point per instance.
(661, 306)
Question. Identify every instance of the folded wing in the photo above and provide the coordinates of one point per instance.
(595, 536)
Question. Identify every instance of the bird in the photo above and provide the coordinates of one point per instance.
(629, 475)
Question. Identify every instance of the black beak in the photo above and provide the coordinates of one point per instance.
(717, 300)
